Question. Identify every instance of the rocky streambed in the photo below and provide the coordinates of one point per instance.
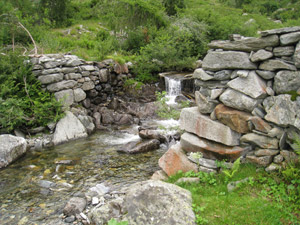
(36, 188)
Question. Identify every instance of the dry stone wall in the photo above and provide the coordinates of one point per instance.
(247, 99)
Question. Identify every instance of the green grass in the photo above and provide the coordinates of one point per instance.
(251, 203)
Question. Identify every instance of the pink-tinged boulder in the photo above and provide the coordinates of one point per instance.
(194, 122)
(236, 120)
(209, 149)
(174, 160)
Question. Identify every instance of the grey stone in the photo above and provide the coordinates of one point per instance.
(192, 121)
(73, 76)
(11, 148)
(290, 38)
(67, 70)
(262, 161)
(266, 152)
(52, 64)
(65, 84)
(52, 78)
(89, 85)
(273, 167)
(267, 75)
(159, 175)
(88, 68)
(212, 84)
(280, 31)
(205, 105)
(51, 71)
(276, 64)
(103, 75)
(261, 55)
(152, 134)
(260, 141)
(79, 95)
(74, 206)
(284, 51)
(252, 85)
(87, 122)
(215, 93)
(223, 75)
(74, 62)
(281, 110)
(208, 163)
(259, 112)
(276, 132)
(238, 100)
(246, 44)
(278, 159)
(202, 75)
(156, 203)
(97, 117)
(289, 156)
(65, 96)
(140, 147)
(206, 170)
(296, 56)
(68, 128)
(215, 61)
(270, 91)
(242, 73)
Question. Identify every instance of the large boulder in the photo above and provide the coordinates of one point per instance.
(211, 150)
(68, 128)
(174, 160)
(215, 61)
(246, 44)
(286, 81)
(157, 203)
(194, 122)
(11, 148)
(149, 202)
(237, 100)
(252, 85)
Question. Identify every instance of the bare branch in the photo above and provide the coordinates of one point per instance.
(35, 47)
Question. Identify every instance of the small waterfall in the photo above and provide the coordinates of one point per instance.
(173, 88)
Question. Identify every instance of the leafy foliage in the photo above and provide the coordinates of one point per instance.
(115, 222)
(22, 102)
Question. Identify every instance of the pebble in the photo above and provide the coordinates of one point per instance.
(70, 219)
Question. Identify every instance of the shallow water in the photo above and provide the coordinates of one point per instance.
(25, 197)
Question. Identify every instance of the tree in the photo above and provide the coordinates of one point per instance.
(55, 10)
(172, 6)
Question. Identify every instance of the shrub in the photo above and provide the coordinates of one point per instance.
(23, 104)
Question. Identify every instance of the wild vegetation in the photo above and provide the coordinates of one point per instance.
(264, 198)
(157, 35)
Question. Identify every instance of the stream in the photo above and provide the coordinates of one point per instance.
(35, 188)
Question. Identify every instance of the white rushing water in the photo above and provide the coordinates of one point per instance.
(173, 88)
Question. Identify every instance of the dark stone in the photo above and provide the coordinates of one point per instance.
(140, 147)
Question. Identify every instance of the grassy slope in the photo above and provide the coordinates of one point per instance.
(251, 203)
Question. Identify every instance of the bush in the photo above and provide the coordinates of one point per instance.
(23, 104)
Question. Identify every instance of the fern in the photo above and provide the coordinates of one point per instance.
(230, 172)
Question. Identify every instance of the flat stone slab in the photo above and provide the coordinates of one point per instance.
(252, 85)
(291, 38)
(246, 44)
(280, 31)
(276, 64)
(212, 150)
(260, 141)
(194, 122)
(215, 61)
